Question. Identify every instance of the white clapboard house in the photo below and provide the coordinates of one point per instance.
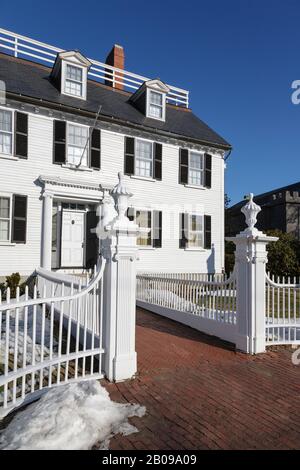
(68, 125)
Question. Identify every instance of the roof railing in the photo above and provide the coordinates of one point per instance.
(24, 47)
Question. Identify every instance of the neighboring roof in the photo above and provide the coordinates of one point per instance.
(30, 79)
(283, 189)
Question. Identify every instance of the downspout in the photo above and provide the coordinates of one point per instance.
(228, 155)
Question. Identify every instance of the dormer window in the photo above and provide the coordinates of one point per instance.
(69, 74)
(155, 105)
(74, 80)
(150, 99)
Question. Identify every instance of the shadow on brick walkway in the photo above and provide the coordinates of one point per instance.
(201, 394)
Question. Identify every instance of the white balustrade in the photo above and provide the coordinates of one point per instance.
(22, 46)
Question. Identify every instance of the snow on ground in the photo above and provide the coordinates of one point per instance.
(167, 298)
(70, 417)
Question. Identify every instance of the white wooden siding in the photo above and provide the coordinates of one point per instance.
(21, 176)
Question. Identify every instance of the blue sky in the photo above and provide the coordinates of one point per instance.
(238, 58)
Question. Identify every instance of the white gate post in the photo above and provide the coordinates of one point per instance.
(117, 236)
(250, 268)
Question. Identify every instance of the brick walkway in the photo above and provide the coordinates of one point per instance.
(200, 394)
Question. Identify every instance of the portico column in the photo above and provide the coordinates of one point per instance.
(47, 230)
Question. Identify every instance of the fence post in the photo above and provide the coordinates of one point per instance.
(117, 236)
(250, 268)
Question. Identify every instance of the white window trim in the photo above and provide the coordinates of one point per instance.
(194, 186)
(71, 165)
(12, 154)
(163, 118)
(143, 178)
(195, 248)
(144, 209)
(189, 184)
(8, 242)
(64, 78)
(148, 178)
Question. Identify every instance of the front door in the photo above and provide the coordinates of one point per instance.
(72, 238)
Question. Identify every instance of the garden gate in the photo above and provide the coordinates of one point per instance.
(61, 330)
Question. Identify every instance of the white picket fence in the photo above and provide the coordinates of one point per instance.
(51, 338)
(206, 303)
(54, 284)
(282, 310)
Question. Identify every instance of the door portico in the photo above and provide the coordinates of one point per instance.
(68, 215)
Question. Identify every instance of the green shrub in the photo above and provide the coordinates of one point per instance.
(229, 257)
(3, 290)
(283, 255)
(12, 282)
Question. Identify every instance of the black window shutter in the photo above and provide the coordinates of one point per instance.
(208, 168)
(130, 213)
(207, 232)
(19, 219)
(157, 229)
(183, 220)
(59, 155)
(21, 135)
(157, 160)
(151, 228)
(95, 161)
(129, 156)
(92, 245)
(183, 166)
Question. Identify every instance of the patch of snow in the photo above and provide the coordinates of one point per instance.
(168, 299)
(70, 417)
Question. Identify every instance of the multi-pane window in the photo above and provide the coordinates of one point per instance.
(196, 169)
(6, 131)
(144, 220)
(4, 219)
(195, 231)
(156, 104)
(77, 144)
(143, 158)
(74, 80)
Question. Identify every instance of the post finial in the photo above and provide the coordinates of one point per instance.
(121, 195)
(250, 211)
(120, 189)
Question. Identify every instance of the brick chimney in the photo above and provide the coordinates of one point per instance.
(116, 58)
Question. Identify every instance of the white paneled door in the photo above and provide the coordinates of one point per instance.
(72, 238)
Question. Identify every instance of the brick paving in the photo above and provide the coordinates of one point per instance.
(201, 394)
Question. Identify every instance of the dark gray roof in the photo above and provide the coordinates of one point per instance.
(30, 79)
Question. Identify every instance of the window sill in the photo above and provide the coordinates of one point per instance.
(74, 167)
(8, 157)
(7, 244)
(193, 186)
(155, 118)
(143, 178)
(74, 96)
(201, 250)
(140, 247)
